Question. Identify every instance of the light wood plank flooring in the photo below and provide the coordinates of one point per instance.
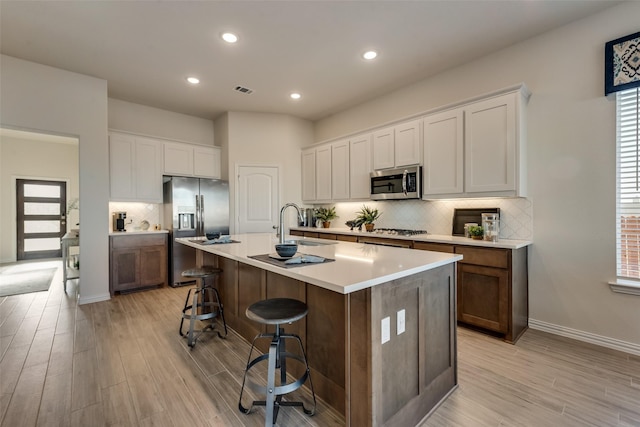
(122, 363)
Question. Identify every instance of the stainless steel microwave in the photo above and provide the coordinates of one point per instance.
(397, 184)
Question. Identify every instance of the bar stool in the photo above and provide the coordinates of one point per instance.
(204, 296)
(276, 311)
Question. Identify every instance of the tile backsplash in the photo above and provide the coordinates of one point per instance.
(436, 216)
(136, 213)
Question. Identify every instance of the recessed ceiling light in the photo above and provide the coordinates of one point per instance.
(295, 95)
(371, 54)
(229, 37)
(193, 80)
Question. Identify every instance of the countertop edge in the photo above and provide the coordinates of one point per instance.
(137, 232)
(429, 238)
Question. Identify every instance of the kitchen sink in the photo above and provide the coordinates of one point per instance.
(301, 242)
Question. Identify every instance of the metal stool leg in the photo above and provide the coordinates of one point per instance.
(220, 312)
(272, 409)
(184, 310)
(192, 320)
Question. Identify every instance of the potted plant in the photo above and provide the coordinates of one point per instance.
(476, 232)
(368, 216)
(326, 215)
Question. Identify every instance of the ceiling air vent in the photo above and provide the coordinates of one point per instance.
(243, 89)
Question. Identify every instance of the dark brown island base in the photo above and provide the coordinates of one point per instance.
(351, 301)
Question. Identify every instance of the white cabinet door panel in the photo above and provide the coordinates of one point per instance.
(490, 145)
(309, 175)
(383, 149)
(407, 144)
(340, 170)
(148, 170)
(360, 167)
(178, 159)
(206, 162)
(121, 162)
(323, 173)
(443, 165)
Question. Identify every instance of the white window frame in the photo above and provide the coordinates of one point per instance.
(627, 192)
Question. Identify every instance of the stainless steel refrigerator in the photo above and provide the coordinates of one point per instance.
(192, 207)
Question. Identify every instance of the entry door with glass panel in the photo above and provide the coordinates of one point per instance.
(41, 218)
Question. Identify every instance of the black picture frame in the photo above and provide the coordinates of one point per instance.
(611, 60)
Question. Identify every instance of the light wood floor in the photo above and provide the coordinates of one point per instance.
(122, 363)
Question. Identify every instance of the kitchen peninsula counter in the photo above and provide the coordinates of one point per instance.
(361, 363)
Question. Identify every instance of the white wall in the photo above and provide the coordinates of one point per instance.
(48, 100)
(268, 139)
(143, 120)
(32, 159)
(571, 163)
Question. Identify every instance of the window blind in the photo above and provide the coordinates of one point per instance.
(628, 183)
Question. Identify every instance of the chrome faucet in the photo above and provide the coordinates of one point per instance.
(281, 227)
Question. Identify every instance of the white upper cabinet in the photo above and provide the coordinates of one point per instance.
(337, 171)
(360, 166)
(178, 159)
(191, 160)
(148, 169)
(340, 186)
(443, 163)
(408, 144)
(477, 149)
(309, 175)
(490, 145)
(135, 168)
(206, 162)
(397, 146)
(323, 173)
(384, 148)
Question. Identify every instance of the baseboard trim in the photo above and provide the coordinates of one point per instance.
(96, 298)
(575, 334)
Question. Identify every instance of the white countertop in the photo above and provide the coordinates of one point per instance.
(433, 238)
(137, 232)
(357, 266)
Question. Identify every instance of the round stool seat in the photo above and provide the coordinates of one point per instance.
(275, 311)
(201, 272)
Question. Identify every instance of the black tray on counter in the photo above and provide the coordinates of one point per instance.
(280, 263)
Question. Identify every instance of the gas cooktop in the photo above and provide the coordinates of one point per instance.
(399, 231)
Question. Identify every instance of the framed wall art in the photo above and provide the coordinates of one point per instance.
(622, 64)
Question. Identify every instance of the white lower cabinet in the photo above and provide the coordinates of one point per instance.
(135, 168)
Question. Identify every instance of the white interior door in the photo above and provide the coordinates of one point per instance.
(257, 198)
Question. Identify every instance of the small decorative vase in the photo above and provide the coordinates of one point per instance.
(369, 227)
(326, 224)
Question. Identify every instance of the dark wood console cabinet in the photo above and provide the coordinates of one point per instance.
(137, 261)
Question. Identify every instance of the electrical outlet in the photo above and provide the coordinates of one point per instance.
(400, 322)
(386, 329)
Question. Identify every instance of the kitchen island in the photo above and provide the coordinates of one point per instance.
(363, 363)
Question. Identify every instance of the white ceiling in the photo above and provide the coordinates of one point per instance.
(145, 49)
